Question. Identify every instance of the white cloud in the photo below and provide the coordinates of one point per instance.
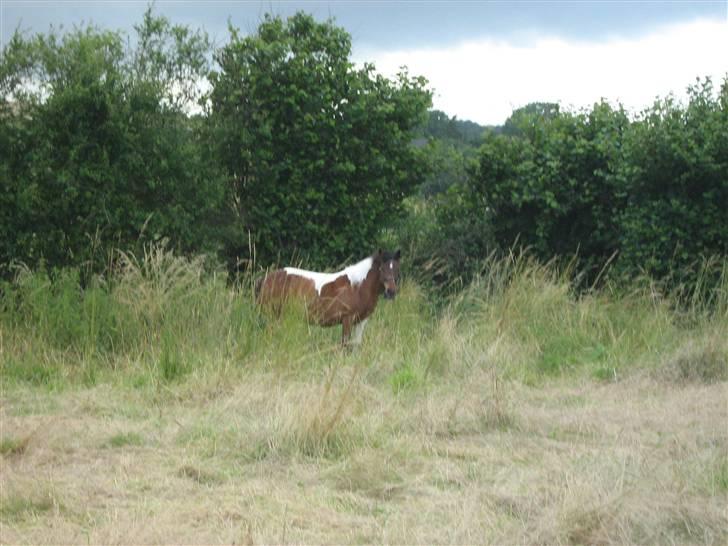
(485, 80)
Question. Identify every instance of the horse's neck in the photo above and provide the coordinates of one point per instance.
(371, 288)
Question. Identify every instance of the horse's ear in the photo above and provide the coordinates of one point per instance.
(379, 253)
(396, 255)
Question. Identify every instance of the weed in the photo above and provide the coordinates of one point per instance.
(16, 507)
(404, 378)
(200, 475)
(13, 446)
(124, 439)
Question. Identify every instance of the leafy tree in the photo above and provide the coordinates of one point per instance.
(98, 150)
(447, 166)
(522, 121)
(317, 151)
(653, 191)
(675, 179)
(551, 187)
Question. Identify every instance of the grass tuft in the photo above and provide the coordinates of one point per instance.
(10, 447)
(699, 360)
(124, 439)
(323, 427)
(200, 475)
(16, 507)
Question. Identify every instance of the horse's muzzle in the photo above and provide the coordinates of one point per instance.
(389, 294)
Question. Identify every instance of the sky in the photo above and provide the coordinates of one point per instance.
(482, 58)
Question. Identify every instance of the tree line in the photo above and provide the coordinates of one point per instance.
(292, 151)
(643, 195)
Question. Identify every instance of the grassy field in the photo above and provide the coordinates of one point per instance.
(158, 406)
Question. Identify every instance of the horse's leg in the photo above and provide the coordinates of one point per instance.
(345, 330)
(359, 332)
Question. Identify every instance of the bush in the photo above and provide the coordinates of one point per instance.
(98, 149)
(595, 185)
(674, 168)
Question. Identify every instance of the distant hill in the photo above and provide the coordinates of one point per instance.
(440, 126)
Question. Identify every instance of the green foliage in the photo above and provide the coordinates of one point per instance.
(524, 119)
(98, 150)
(317, 151)
(441, 127)
(675, 179)
(595, 184)
(445, 239)
(549, 187)
(450, 146)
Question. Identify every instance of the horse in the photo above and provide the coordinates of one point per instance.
(347, 297)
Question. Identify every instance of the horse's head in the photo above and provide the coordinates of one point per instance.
(388, 272)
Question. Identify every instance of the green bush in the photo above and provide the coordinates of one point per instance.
(674, 169)
(549, 187)
(651, 192)
(98, 150)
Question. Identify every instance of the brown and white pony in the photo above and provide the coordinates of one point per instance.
(347, 297)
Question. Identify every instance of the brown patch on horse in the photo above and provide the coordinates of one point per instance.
(333, 303)
(277, 287)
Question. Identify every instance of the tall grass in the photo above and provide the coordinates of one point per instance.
(158, 311)
(164, 316)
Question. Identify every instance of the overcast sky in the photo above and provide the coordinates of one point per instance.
(482, 58)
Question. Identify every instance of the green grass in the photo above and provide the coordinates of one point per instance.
(13, 446)
(124, 439)
(19, 507)
(160, 317)
(720, 474)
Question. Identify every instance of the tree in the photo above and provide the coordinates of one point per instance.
(654, 190)
(99, 151)
(523, 120)
(675, 177)
(550, 186)
(317, 151)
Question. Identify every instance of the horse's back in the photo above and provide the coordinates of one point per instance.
(278, 286)
(328, 297)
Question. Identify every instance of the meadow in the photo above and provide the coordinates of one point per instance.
(158, 406)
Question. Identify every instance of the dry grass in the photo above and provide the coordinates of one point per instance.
(331, 460)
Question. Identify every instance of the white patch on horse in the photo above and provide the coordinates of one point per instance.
(356, 273)
(359, 271)
(319, 279)
(358, 332)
